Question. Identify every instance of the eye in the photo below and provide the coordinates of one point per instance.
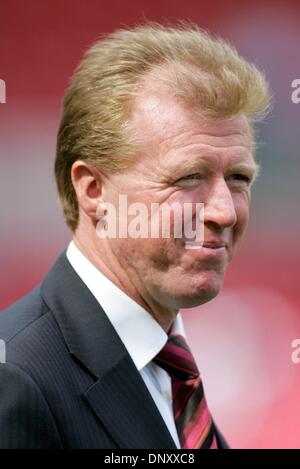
(239, 177)
(190, 179)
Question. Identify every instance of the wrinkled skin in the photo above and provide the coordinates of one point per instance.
(182, 158)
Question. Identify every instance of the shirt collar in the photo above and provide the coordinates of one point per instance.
(141, 334)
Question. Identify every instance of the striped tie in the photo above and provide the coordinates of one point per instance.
(192, 417)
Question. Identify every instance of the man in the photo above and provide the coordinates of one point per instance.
(96, 356)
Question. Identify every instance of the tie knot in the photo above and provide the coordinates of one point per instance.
(176, 358)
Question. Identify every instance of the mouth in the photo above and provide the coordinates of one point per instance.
(216, 251)
(207, 246)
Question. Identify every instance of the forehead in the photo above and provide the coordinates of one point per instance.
(163, 124)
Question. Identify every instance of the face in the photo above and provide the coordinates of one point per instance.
(183, 158)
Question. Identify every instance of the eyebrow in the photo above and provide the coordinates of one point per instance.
(253, 168)
(202, 164)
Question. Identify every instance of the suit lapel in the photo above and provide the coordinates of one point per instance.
(122, 402)
(119, 396)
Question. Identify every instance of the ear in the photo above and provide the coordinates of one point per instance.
(87, 184)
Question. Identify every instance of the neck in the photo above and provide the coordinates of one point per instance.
(125, 279)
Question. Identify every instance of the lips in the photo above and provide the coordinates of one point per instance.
(214, 244)
(214, 249)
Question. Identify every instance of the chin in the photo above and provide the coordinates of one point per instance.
(200, 290)
(192, 301)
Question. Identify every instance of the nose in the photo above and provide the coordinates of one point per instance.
(219, 208)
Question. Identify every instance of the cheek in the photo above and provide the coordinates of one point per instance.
(144, 254)
(242, 207)
(192, 196)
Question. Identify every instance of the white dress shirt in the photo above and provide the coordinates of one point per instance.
(141, 334)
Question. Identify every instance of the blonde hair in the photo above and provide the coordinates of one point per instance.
(205, 72)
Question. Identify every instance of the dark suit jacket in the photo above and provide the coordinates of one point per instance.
(69, 382)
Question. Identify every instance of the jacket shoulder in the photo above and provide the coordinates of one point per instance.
(22, 314)
(25, 416)
(33, 340)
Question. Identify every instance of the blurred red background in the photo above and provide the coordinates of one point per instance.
(242, 339)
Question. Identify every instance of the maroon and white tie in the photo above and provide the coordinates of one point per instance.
(192, 418)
